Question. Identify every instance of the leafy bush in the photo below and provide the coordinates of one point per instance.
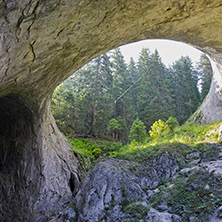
(97, 152)
(108, 146)
(158, 128)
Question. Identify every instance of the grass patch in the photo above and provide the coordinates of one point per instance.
(186, 138)
(144, 154)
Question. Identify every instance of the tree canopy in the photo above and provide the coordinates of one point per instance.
(108, 97)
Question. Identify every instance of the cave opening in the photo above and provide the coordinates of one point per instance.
(16, 125)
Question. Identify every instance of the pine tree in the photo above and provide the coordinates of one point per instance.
(138, 131)
(87, 98)
(86, 103)
(154, 93)
(131, 95)
(186, 92)
(121, 82)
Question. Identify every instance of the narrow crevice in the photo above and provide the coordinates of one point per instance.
(60, 32)
(24, 16)
(72, 182)
(32, 50)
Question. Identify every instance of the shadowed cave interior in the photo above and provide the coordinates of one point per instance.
(16, 157)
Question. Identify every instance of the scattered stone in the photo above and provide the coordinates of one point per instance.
(162, 208)
(194, 155)
(194, 162)
(194, 186)
(217, 217)
(207, 187)
(156, 216)
(189, 170)
(193, 219)
(213, 166)
(150, 193)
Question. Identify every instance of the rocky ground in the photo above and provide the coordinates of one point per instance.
(168, 188)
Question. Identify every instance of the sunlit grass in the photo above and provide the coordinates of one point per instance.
(182, 140)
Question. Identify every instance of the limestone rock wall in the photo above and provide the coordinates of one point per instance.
(38, 170)
(44, 42)
(210, 110)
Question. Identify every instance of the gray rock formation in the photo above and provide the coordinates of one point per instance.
(120, 190)
(217, 215)
(207, 114)
(112, 185)
(36, 168)
(156, 216)
(44, 42)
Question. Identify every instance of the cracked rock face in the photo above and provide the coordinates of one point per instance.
(113, 184)
(121, 190)
(36, 166)
(44, 42)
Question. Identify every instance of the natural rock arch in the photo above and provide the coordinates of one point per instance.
(44, 42)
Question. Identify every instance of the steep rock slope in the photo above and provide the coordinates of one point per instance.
(168, 188)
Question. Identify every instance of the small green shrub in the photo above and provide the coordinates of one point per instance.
(157, 128)
(83, 146)
(108, 146)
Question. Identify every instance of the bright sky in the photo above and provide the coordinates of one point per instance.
(169, 51)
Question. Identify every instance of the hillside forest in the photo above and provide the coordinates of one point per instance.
(107, 97)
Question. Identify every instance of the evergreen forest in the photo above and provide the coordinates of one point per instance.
(110, 99)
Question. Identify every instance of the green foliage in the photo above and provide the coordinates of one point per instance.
(85, 147)
(118, 128)
(172, 123)
(114, 124)
(157, 128)
(97, 152)
(190, 197)
(88, 102)
(144, 154)
(136, 210)
(95, 149)
(185, 80)
(108, 146)
(154, 93)
(138, 131)
(209, 153)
